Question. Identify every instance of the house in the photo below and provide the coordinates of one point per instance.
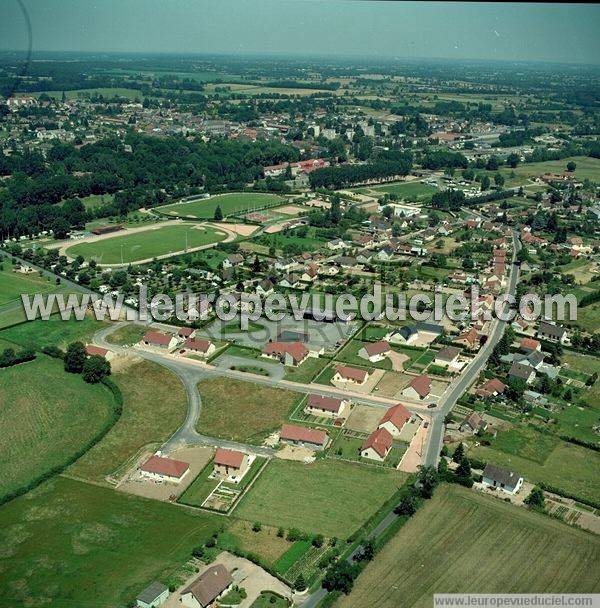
(152, 596)
(159, 468)
(529, 344)
(158, 339)
(419, 388)
(208, 587)
(186, 332)
(264, 288)
(375, 351)
(447, 356)
(377, 445)
(230, 464)
(353, 375)
(394, 419)
(491, 388)
(303, 436)
(233, 259)
(288, 353)
(327, 407)
(424, 333)
(522, 371)
(284, 264)
(469, 339)
(473, 423)
(92, 350)
(496, 477)
(336, 244)
(204, 348)
(551, 332)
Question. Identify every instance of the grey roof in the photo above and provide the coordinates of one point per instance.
(432, 328)
(448, 354)
(549, 329)
(210, 584)
(520, 370)
(500, 475)
(151, 592)
(535, 358)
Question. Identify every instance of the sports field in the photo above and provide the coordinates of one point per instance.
(231, 204)
(69, 544)
(147, 244)
(46, 417)
(465, 542)
(329, 497)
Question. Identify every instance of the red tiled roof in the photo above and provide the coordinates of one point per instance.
(197, 344)
(90, 349)
(421, 384)
(185, 332)
(165, 466)
(397, 415)
(493, 385)
(377, 348)
(296, 350)
(529, 344)
(352, 373)
(293, 432)
(471, 336)
(380, 440)
(156, 337)
(229, 458)
(329, 404)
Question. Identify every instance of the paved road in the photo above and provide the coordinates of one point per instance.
(462, 383)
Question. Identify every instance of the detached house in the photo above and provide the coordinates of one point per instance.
(503, 479)
(469, 339)
(326, 407)
(208, 587)
(230, 464)
(551, 332)
(522, 371)
(394, 420)
(303, 436)
(204, 348)
(352, 375)
(159, 340)
(288, 353)
(159, 468)
(377, 445)
(419, 388)
(375, 351)
(233, 259)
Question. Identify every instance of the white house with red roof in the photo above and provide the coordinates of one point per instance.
(186, 332)
(98, 351)
(394, 419)
(375, 351)
(199, 346)
(230, 464)
(351, 375)
(157, 339)
(288, 353)
(419, 388)
(303, 436)
(326, 407)
(377, 445)
(159, 468)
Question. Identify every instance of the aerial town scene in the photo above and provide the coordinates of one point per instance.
(299, 303)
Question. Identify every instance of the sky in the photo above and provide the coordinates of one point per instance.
(566, 33)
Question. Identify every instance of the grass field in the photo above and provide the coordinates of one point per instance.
(13, 284)
(46, 417)
(54, 331)
(127, 335)
(76, 93)
(587, 365)
(67, 542)
(231, 204)
(329, 497)
(147, 244)
(154, 406)
(465, 542)
(242, 411)
(541, 458)
(412, 190)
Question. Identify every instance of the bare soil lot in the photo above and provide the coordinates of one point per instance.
(364, 418)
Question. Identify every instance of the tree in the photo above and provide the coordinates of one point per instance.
(256, 526)
(459, 453)
(485, 183)
(75, 358)
(512, 160)
(95, 369)
(464, 468)
(407, 506)
(427, 481)
(536, 499)
(318, 540)
(499, 180)
(368, 551)
(300, 584)
(218, 216)
(340, 577)
(571, 166)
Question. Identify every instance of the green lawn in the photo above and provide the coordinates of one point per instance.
(242, 411)
(127, 335)
(13, 284)
(267, 599)
(330, 497)
(307, 371)
(588, 365)
(67, 542)
(199, 490)
(464, 542)
(47, 417)
(54, 331)
(349, 354)
(147, 244)
(541, 458)
(412, 190)
(231, 204)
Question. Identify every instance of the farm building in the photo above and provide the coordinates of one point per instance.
(301, 435)
(207, 588)
(159, 468)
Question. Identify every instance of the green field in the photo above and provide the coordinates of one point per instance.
(465, 542)
(542, 458)
(329, 497)
(147, 244)
(231, 204)
(13, 284)
(242, 411)
(154, 406)
(76, 93)
(46, 417)
(67, 542)
(411, 190)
